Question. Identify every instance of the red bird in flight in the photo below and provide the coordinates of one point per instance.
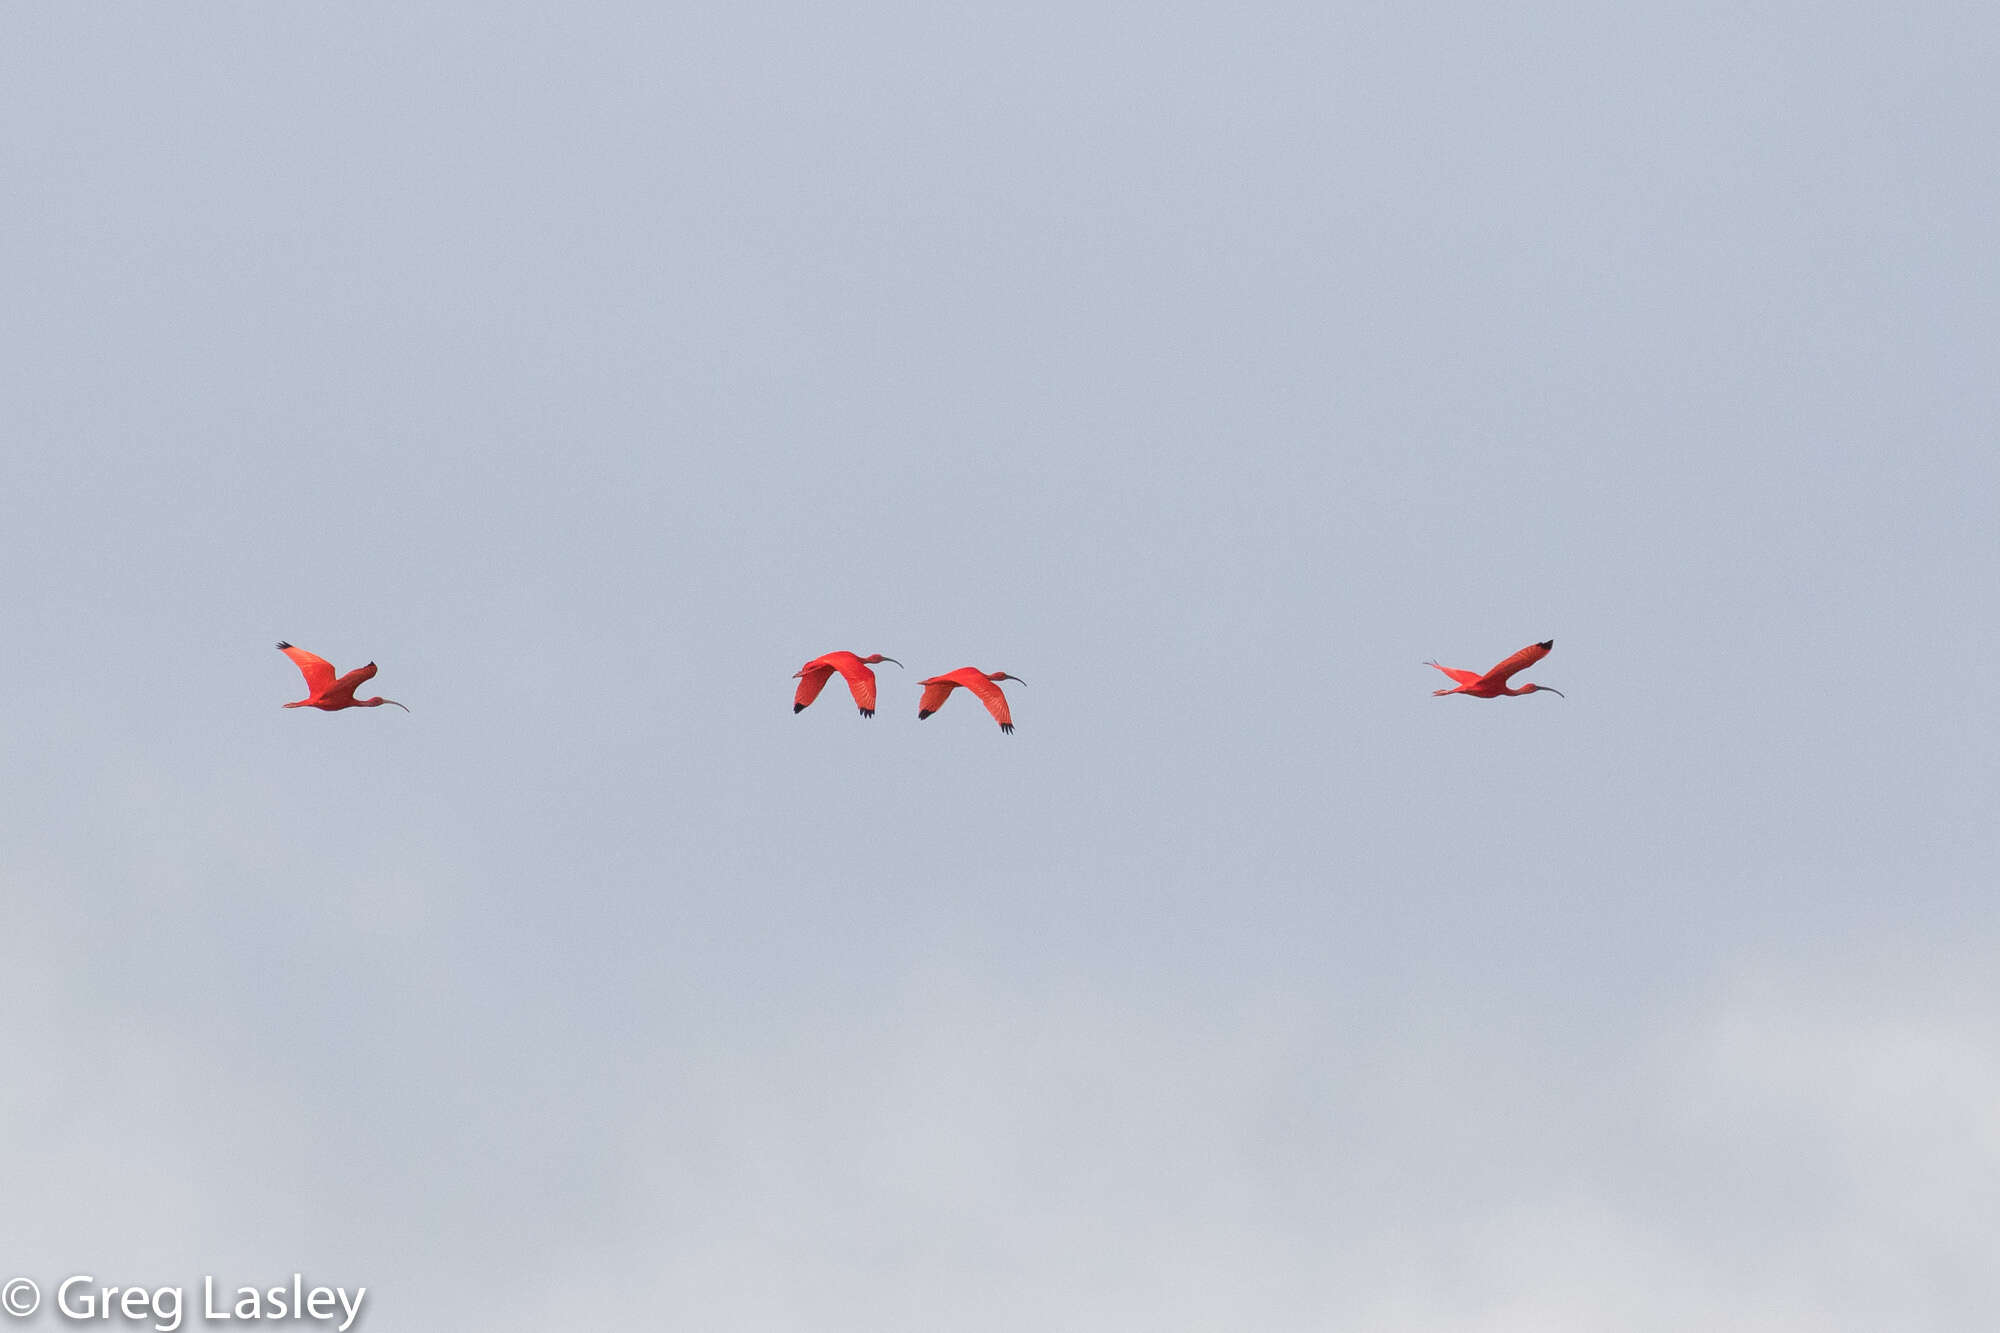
(938, 688)
(323, 691)
(1494, 682)
(813, 676)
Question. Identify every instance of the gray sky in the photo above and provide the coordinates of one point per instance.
(1209, 367)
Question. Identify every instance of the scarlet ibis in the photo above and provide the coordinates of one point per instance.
(323, 691)
(1494, 682)
(813, 676)
(938, 688)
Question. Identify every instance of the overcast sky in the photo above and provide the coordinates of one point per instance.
(590, 368)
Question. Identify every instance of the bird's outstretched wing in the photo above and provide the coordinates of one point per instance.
(317, 670)
(1520, 661)
(860, 682)
(344, 687)
(1461, 676)
(935, 693)
(812, 679)
(996, 702)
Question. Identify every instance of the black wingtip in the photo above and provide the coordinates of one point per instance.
(798, 708)
(923, 713)
(283, 644)
(1546, 644)
(1007, 727)
(867, 712)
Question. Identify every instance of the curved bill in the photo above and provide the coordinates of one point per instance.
(887, 658)
(404, 707)
(1552, 690)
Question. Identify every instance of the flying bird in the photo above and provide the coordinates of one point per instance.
(1494, 682)
(323, 691)
(813, 676)
(938, 688)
